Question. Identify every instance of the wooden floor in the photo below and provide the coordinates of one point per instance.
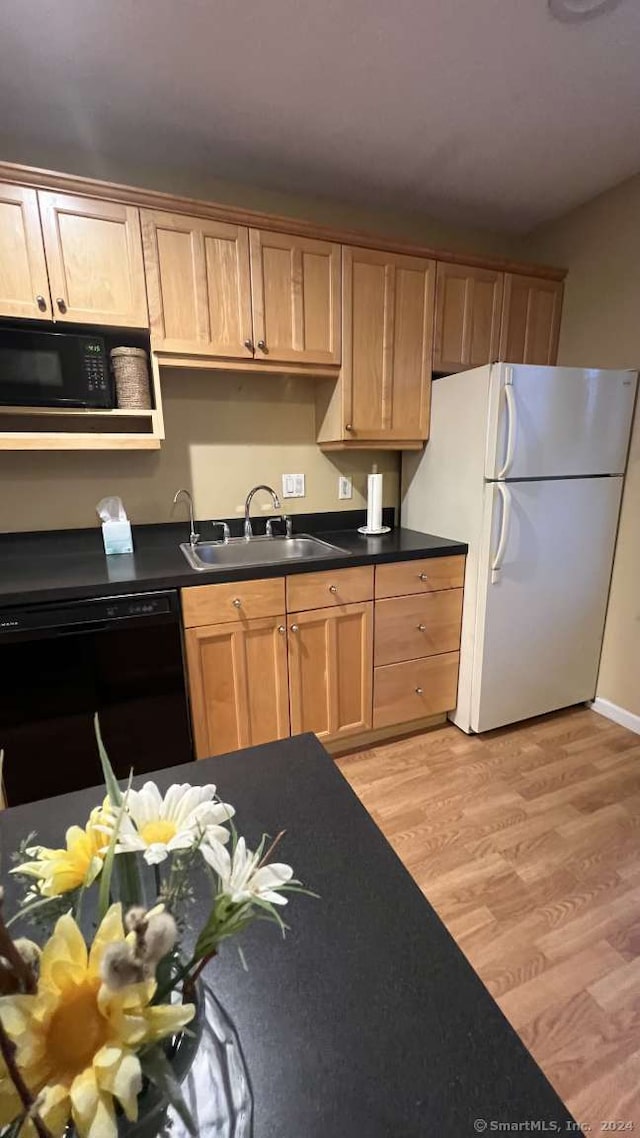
(527, 843)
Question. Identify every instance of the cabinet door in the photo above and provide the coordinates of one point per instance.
(199, 285)
(94, 257)
(237, 685)
(530, 320)
(295, 285)
(467, 322)
(387, 345)
(24, 286)
(331, 670)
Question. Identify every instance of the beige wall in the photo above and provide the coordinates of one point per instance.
(225, 433)
(600, 243)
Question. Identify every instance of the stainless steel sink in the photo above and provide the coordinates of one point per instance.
(238, 552)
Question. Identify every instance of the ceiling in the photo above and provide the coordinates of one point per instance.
(481, 112)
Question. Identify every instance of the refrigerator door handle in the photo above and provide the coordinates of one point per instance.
(496, 565)
(512, 423)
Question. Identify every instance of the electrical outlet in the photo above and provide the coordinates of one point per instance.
(345, 486)
(293, 485)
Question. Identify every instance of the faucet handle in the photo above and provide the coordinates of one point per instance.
(226, 532)
(286, 521)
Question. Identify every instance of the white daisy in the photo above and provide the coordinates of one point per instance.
(242, 877)
(158, 825)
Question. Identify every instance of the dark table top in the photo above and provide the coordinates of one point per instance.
(366, 1021)
(71, 564)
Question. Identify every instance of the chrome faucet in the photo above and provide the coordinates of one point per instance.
(194, 537)
(248, 530)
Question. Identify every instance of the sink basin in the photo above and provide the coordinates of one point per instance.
(237, 552)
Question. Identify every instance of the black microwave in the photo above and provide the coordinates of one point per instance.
(53, 369)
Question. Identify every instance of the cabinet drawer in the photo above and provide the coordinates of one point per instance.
(424, 576)
(333, 587)
(233, 600)
(415, 689)
(407, 628)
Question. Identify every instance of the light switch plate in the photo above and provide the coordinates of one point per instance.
(293, 485)
(345, 486)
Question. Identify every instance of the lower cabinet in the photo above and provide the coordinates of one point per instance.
(415, 689)
(238, 684)
(331, 670)
(256, 674)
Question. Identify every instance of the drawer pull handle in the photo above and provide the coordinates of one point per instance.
(422, 628)
(333, 588)
(294, 627)
(42, 304)
(237, 603)
(249, 345)
(60, 301)
(419, 691)
(281, 629)
(423, 576)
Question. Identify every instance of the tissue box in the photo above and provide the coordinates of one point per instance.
(117, 537)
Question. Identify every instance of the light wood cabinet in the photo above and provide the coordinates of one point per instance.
(330, 587)
(467, 317)
(407, 628)
(24, 285)
(383, 394)
(530, 320)
(199, 282)
(94, 257)
(295, 290)
(232, 601)
(415, 689)
(400, 578)
(331, 670)
(238, 684)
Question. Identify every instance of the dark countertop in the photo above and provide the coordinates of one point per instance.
(71, 564)
(367, 1020)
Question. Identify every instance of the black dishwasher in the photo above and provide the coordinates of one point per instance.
(60, 663)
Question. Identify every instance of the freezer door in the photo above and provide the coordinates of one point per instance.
(558, 422)
(545, 565)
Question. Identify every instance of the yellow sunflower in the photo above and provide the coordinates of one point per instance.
(59, 871)
(77, 1039)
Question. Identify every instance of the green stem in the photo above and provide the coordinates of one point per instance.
(158, 880)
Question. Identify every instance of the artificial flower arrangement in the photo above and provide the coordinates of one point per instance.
(86, 1027)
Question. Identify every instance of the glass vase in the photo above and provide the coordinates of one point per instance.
(209, 1064)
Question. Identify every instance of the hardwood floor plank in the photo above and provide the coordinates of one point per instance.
(526, 841)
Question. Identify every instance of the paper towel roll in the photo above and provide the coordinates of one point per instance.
(374, 501)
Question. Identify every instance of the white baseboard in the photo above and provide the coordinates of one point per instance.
(618, 714)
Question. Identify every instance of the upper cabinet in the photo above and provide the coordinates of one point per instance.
(383, 393)
(199, 285)
(94, 257)
(530, 319)
(467, 318)
(24, 285)
(295, 285)
(226, 291)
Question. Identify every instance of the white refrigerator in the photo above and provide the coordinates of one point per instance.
(526, 464)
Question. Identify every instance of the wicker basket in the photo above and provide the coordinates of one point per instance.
(131, 373)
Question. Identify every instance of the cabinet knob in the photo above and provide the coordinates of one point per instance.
(42, 304)
(419, 691)
(262, 344)
(423, 576)
(237, 603)
(294, 627)
(422, 628)
(249, 345)
(348, 426)
(333, 588)
(62, 304)
(281, 629)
